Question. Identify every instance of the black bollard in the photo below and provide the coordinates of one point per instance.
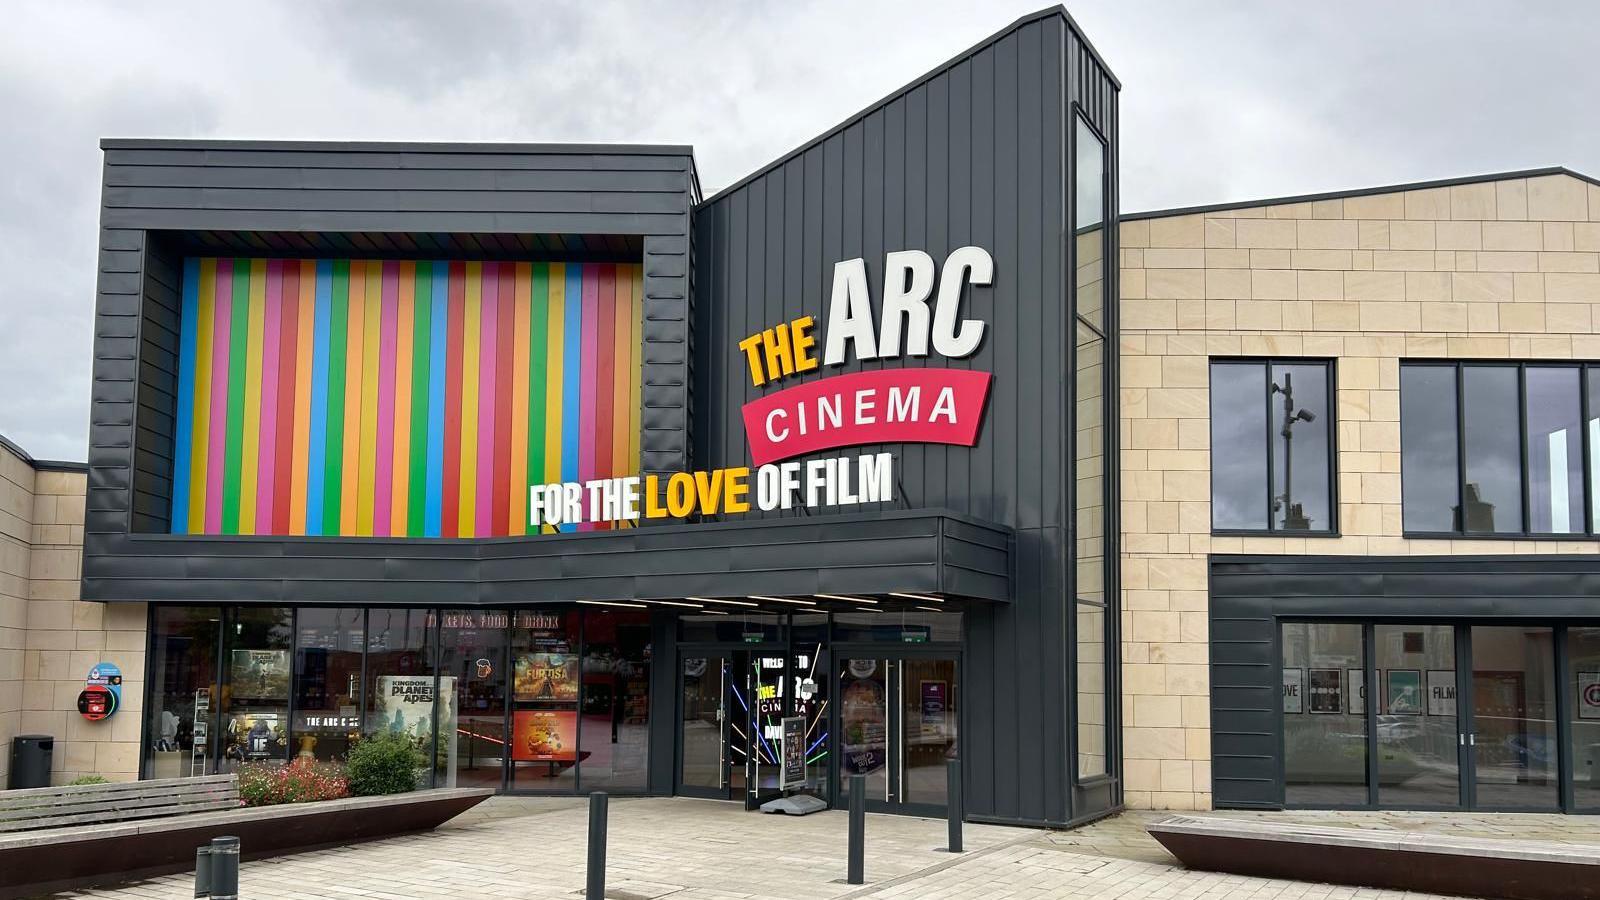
(202, 870)
(858, 830)
(953, 803)
(596, 886)
(224, 868)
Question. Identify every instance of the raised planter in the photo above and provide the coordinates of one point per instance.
(57, 859)
(1397, 860)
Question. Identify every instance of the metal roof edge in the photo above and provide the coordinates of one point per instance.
(1358, 192)
(858, 115)
(42, 465)
(113, 143)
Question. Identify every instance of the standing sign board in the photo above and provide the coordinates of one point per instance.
(793, 775)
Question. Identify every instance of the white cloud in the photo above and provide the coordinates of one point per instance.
(1220, 102)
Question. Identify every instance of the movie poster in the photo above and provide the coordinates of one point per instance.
(1294, 690)
(1326, 695)
(259, 674)
(539, 735)
(405, 704)
(1405, 692)
(547, 676)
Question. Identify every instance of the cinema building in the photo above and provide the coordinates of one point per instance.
(587, 482)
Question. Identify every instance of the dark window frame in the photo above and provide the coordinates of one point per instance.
(1330, 372)
(1588, 407)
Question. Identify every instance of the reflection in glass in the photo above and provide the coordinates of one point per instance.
(930, 707)
(1091, 687)
(255, 692)
(1324, 714)
(703, 762)
(1592, 426)
(1088, 226)
(1514, 715)
(1429, 469)
(897, 626)
(1555, 450)
(471, 659)
(400, 688)
(1238, 446)
(616, 700)
(181, 710)
(545, 676)
(1583, 645)
(1300, 445)
(1493, 440)
(327, 686)
(1090, 454)
(1418, 763)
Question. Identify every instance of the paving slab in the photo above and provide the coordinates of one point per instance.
(684, 849)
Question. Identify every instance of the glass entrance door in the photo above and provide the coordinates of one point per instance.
(1512, 736)
(733, 704)
(898, 725)
(703, 760)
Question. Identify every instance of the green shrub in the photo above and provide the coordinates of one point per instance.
(384, 763)
(301, 781)
(90, 779)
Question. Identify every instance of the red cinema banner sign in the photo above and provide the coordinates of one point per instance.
(891, 406)
(887, 406)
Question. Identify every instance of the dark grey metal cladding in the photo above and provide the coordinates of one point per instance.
(975, 153)
(865, 554)
(162, 198)
(1251, 595)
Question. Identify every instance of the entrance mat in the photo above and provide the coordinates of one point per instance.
(1398, 860)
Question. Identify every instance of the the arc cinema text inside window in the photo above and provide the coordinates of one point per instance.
(1493, 448)
(1272, 446)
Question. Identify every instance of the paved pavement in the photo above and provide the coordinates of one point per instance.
(683, 849)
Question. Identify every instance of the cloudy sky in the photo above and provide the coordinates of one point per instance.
(1222, 100)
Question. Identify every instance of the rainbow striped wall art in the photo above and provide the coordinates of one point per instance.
(398, 398)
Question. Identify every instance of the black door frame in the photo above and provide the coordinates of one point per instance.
(898, 653)
(738, 656)
(1466, 726)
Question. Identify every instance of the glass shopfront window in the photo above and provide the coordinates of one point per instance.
(255, 689)
(1324, 714)
(399, 691)
(545, 690)
(180, 714)
(1583, 686)
(616, 700)
(472, 652)
(327, 682)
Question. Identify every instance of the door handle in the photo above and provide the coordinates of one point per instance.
(1472, 739)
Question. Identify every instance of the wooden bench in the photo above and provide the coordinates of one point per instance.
(1384, 858)
(99, 804)
(145, 841)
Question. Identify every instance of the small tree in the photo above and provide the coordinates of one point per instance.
(383, 763)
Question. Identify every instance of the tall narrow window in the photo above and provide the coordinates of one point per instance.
(1090, 407)
(1272, 446)
(1491, 448)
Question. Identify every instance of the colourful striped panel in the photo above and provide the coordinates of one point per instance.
(413, 399)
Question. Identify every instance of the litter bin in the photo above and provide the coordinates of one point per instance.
(30, 760)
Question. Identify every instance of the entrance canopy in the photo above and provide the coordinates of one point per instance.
(898, 558)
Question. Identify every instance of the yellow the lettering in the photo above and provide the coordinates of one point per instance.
(752, 353)
(803, 340)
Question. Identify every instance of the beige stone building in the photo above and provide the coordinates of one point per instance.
(49, 639)
(1503, 267)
